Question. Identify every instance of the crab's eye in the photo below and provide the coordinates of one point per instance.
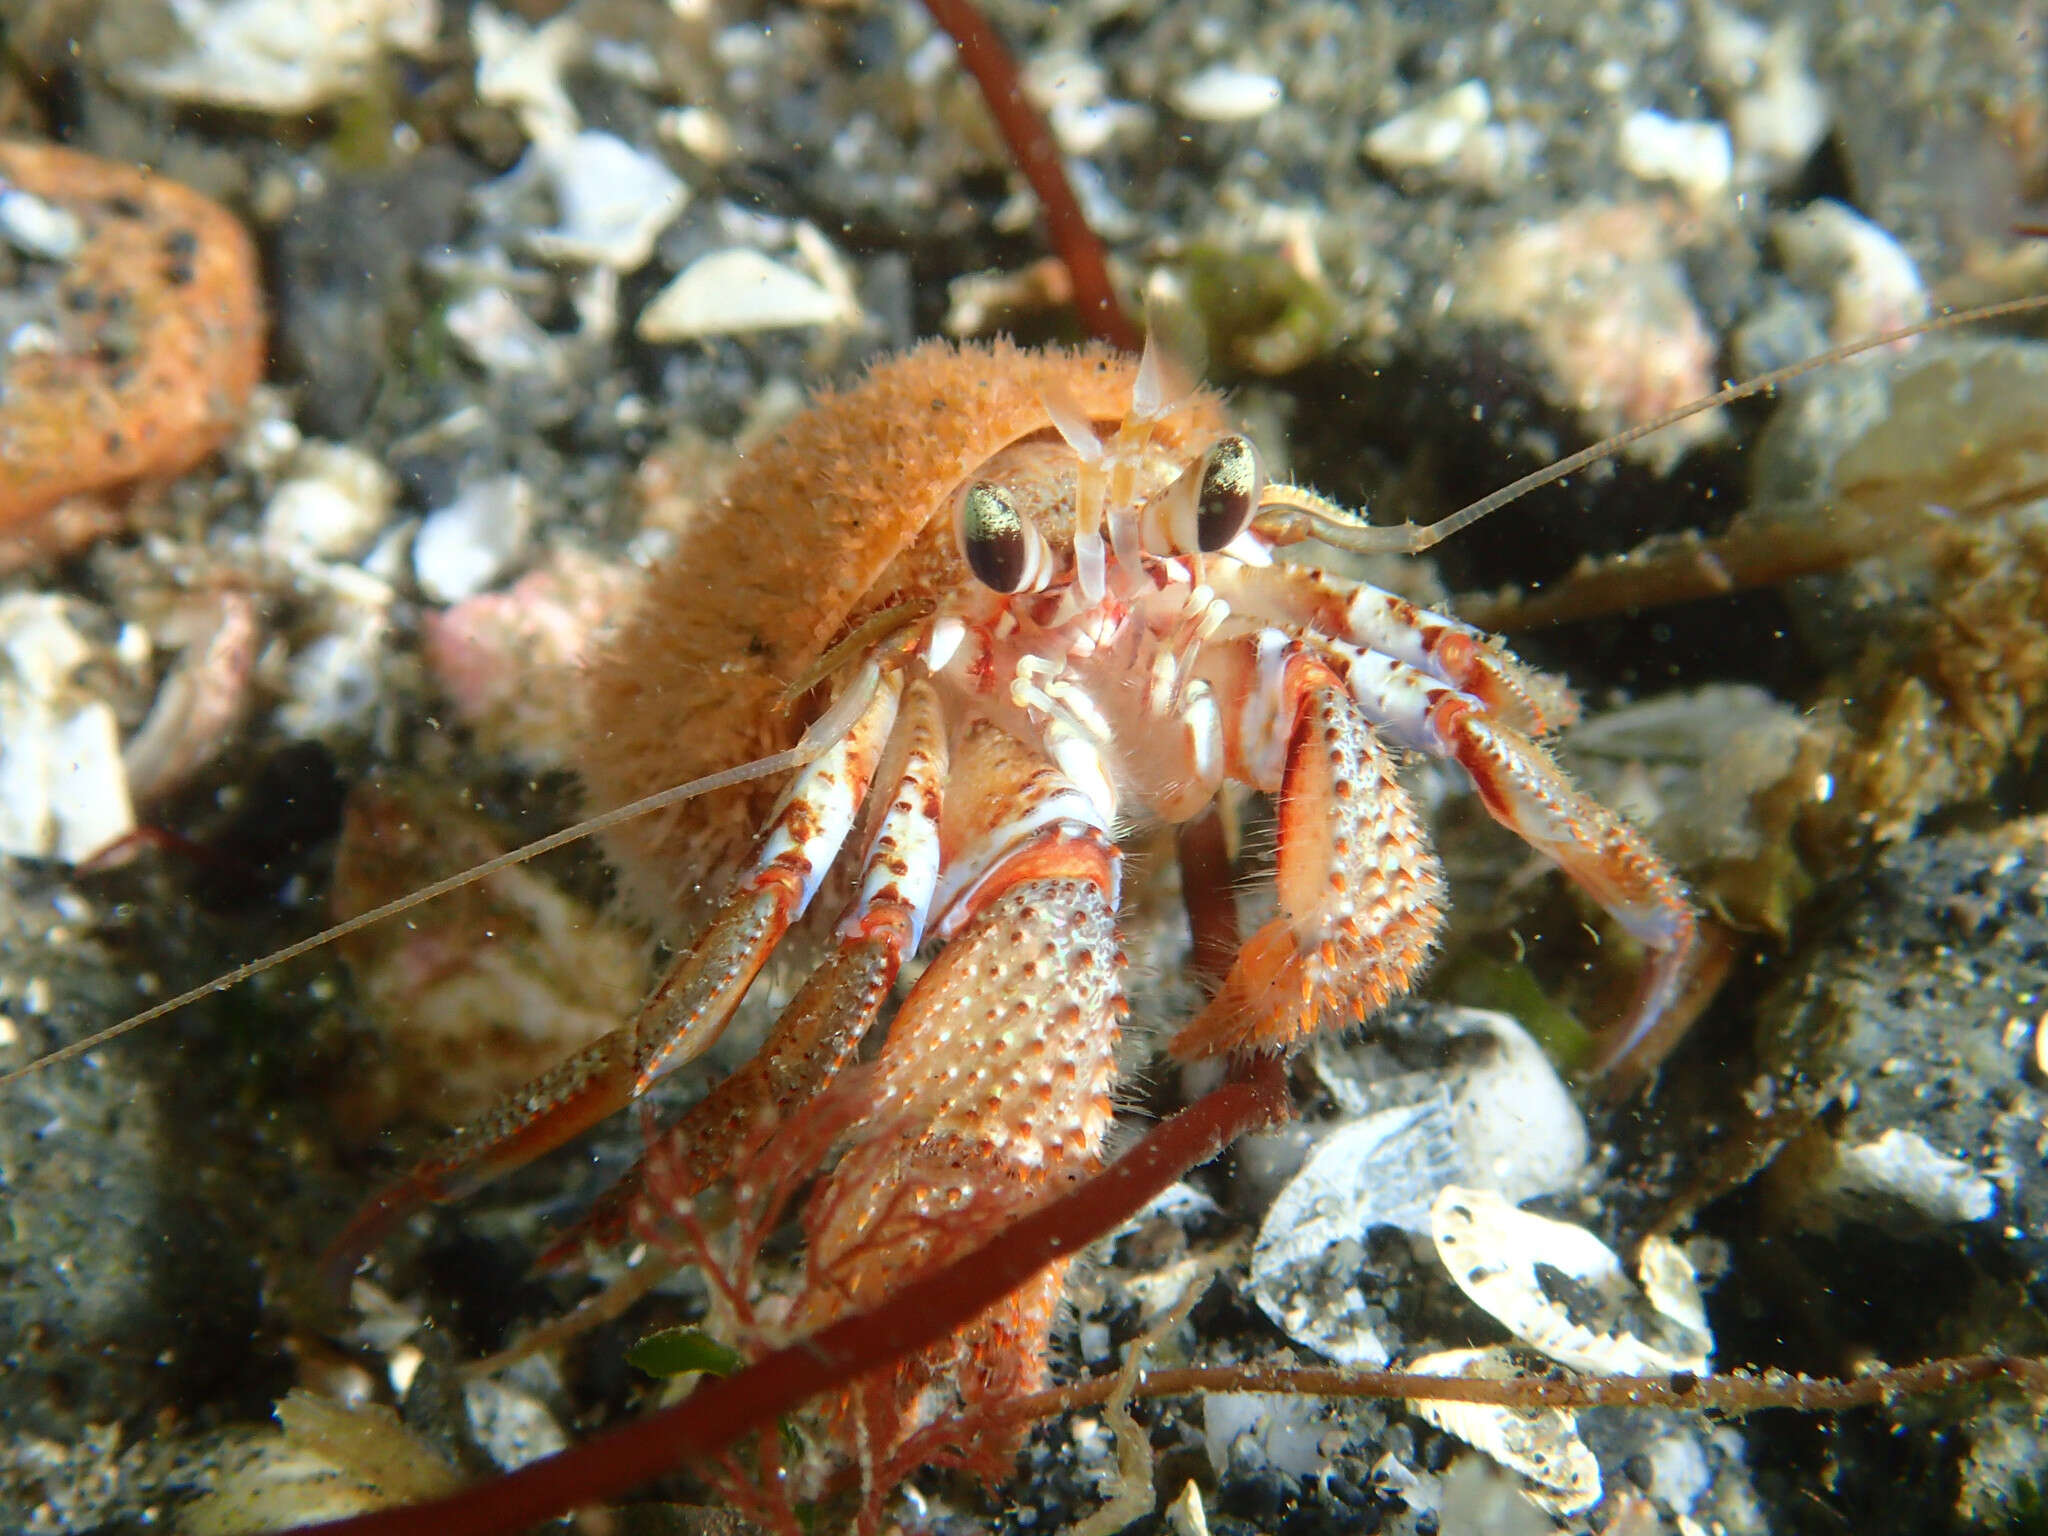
(1229, 494)
(995, 538)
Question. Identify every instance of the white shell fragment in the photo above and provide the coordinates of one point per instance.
(1073, 92)
(611, 200)
(512, 1427)
(1542, 1444)
(1697, 157)
(1873, 284)
(738, 291)
(474, 541)
(332, 506)
(1514, 1125)
(1517, 1127)
(63, 789)
(37, 228)
(1495, 1114)
(1451, 137)
(1560, 1290)
(1778, 112)
(1428, 135)
(520, 68)
(281, 55)
(1286, 1430)
(502, 338)
(1382, 1169)
(1222, 94)
(1900, 1177)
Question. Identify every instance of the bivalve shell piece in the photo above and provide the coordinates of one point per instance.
(1542, 1444)
(1310, 1272)
(737, 291)
(1560, 1290)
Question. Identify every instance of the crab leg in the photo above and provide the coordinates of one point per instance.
(687, 1010)
(1525, 790)
(992, 1092)
(1304, 599)
(1360, 892)
(828, 1018)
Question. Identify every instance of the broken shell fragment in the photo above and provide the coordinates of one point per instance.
(475, 541)
(1433, 133)
(1542, 1444)
(612, 200)
(1310, 1272)
(734, 292)
(63, 791)
(203, 700)
(281, 55)
(1695, 156)
(1494, 1112)
(324, 1462)
(1560, 1290)
(1871, 280)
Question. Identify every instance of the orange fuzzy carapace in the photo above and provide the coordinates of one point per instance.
(844, 513)
(156, 336)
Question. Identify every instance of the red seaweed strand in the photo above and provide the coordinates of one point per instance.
(1032, 146)
(718, 1413)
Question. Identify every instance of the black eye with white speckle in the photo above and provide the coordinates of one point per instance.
(994, 538)
(1229, 494)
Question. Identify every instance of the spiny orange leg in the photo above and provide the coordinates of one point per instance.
(992, 1095)
(1308, 601)
(828, 1018)
(1525, 790)
(685, 1015)
(1360, 891)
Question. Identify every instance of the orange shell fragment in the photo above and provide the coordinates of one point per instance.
(157, 322)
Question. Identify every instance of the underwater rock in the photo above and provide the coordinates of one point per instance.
(1602, 298)
(133, 354)
(1912, 1024)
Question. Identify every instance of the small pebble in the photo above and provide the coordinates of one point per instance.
(333, 505)
(1873, 284)
(475, 541)
(1221, 94)
(37, 228)
(1434, 133)
(1453, 138)
(1696, 157)
(152, 377)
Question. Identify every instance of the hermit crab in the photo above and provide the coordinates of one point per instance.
(1008, 604)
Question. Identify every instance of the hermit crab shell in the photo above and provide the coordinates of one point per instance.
(844, 514)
